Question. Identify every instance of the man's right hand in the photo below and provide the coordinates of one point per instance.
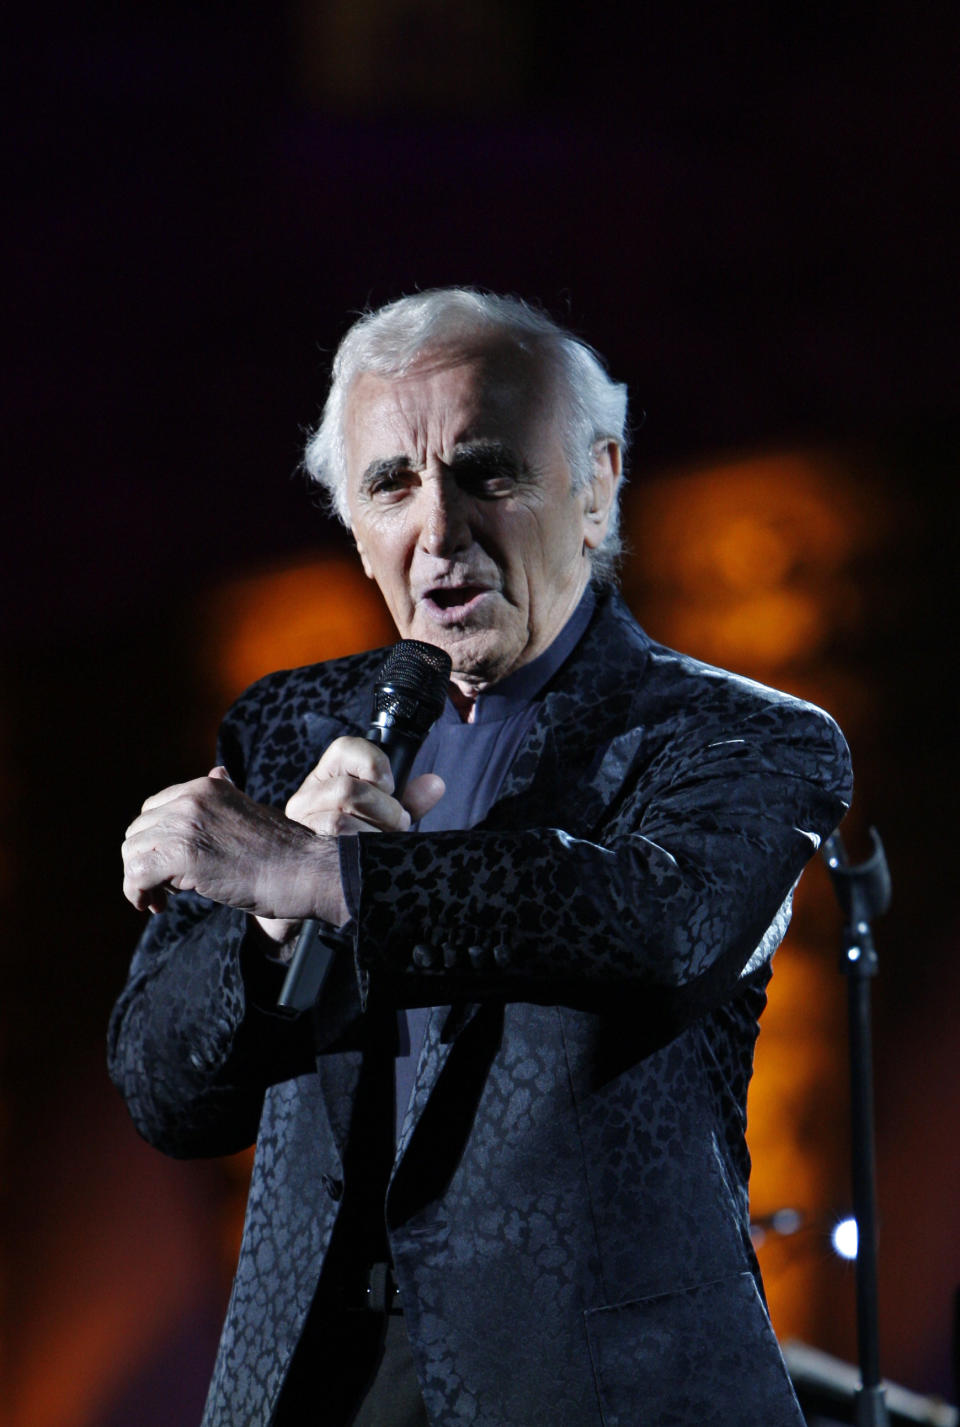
(351, 791)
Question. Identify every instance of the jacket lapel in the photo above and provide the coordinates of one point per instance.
(569, 767)
(586, 734)
(433, 1057)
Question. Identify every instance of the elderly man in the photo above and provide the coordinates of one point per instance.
(501, 1176)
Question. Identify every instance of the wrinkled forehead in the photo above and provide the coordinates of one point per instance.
(492, 389)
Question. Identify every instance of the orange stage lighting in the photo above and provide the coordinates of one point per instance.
(300, 614)
(749, 564)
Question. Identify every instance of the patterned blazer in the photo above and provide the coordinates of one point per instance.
(567, 1211)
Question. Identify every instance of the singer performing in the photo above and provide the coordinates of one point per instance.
(501, 1176)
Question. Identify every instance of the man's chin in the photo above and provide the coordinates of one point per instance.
(480, 655)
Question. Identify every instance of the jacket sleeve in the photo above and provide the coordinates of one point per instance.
(683, 885)
(193, 1043)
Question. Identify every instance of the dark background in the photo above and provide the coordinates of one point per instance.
(746, 209)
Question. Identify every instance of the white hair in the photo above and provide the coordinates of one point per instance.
(390, 341)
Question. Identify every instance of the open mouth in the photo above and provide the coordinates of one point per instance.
(452, 602)
(454, 598)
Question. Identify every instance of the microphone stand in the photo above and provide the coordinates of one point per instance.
(863, 892)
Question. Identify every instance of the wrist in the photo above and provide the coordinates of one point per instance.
(331, 904)
(304, 882)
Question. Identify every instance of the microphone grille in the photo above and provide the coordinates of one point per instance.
(411, 684)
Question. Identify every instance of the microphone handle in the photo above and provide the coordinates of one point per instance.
(315, 949)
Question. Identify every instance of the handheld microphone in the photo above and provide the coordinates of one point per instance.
(408, 698)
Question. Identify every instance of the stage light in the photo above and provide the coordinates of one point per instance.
(844, 1238)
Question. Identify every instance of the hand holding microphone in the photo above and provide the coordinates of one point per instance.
(408, 696)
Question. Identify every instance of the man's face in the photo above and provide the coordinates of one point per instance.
(460, 502)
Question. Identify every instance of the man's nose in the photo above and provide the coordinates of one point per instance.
(445, 519)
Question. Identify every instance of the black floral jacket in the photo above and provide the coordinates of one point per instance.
(568, 1207)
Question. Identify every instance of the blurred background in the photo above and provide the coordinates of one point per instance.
(748, 211)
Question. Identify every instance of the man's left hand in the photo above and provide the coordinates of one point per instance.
(207, 836)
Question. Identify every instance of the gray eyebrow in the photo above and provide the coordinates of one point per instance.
(383, 466)
(468, 450)
(465, 451)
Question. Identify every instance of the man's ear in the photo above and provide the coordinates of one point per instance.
(363, 558)
(601, 493)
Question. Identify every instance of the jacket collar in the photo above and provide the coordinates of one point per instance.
(576, 737)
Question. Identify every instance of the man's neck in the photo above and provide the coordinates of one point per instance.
(464, 700)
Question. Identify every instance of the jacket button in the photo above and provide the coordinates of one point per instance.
(334, 1187)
